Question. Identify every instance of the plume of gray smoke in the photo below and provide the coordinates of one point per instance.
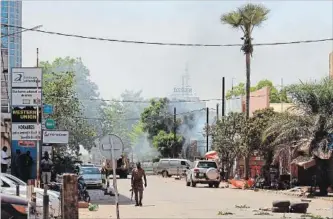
(143, 149)
(191, 127)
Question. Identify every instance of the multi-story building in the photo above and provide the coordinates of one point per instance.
(11, 47)
(11, 56)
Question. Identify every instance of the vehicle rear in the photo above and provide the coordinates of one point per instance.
(203, 172)
(92, 176)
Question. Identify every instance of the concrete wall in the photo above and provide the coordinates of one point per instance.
(258, 100)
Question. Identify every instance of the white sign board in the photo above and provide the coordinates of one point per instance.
(55, 137)
(26, 97)
(106, 148)
(26, 77)
(26, 131)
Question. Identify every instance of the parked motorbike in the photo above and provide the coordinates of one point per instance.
(82, 190)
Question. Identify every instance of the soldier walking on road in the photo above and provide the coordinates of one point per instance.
(137, 183)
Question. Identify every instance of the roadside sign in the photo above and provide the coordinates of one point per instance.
(27, 132)
(47, 109)
(49, 124)
(55, 137)
(26, 77)
(26, 96)
(27, 114)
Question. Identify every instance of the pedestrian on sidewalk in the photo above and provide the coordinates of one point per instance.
(137, 184)
(4, 160)
(46, 167)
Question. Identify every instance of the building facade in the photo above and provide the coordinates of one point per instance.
(11, 47)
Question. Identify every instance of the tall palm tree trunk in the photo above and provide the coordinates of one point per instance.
(247, 90)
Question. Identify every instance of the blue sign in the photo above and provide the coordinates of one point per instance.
(24, 172)
(47, 109)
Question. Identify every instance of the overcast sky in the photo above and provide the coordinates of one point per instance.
(115, 67)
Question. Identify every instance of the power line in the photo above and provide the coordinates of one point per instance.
(148, 101)
(169, 115)
(167, 44)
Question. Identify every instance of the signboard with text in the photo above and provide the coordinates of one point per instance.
(26, 77)
(26, 96)
(55, 137)
(26, 132)
(26, 114)
(26, 102)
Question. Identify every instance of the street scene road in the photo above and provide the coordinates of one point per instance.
(170, 198)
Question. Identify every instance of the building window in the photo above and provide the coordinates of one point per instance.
(11, 39)
(12, 46)
(4, 14)
(4, 3)
(12, 52)
(12, 3)
(4, 20)
(11, 63)
(11, 10)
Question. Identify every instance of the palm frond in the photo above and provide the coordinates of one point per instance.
(253, 14)
(232, 18)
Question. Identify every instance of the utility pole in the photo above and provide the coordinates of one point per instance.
(281, 100)
(217, 112)
(207, 129)
(223, 96)
(174, 128)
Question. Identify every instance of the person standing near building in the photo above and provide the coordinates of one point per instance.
(4, 160)
(46, 167)
(16, 165)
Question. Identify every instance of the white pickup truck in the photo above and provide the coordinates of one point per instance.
(203, 172)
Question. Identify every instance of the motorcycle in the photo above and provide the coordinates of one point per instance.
(82, 190)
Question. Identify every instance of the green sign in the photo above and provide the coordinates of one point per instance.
(49, 124)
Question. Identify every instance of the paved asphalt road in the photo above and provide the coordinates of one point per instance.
(170, 198)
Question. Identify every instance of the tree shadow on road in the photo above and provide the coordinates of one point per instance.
(98, 197)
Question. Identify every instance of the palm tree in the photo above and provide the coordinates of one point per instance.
(246, 18)
(307, 131)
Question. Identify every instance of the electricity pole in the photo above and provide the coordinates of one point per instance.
(217, 112)
(223, 96)
(174, 128)
(207, 129)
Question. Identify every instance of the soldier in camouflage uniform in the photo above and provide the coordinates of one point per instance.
(137, 183)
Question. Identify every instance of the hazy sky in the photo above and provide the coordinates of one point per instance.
(115, 67)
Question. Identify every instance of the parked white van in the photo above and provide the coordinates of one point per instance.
(172, 166)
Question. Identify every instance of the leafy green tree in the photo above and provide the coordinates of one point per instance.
(306, 130)
(156, 118)
(59, 91)
(226, 139)
(275, 95)
(251, 136)
(246, 18)
(168, 144)
(159, 125)
(86, 90)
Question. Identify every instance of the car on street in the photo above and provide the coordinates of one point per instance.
(92, 176)
(172, 167)
(8, 186)
(14, 207)
(203, 172)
